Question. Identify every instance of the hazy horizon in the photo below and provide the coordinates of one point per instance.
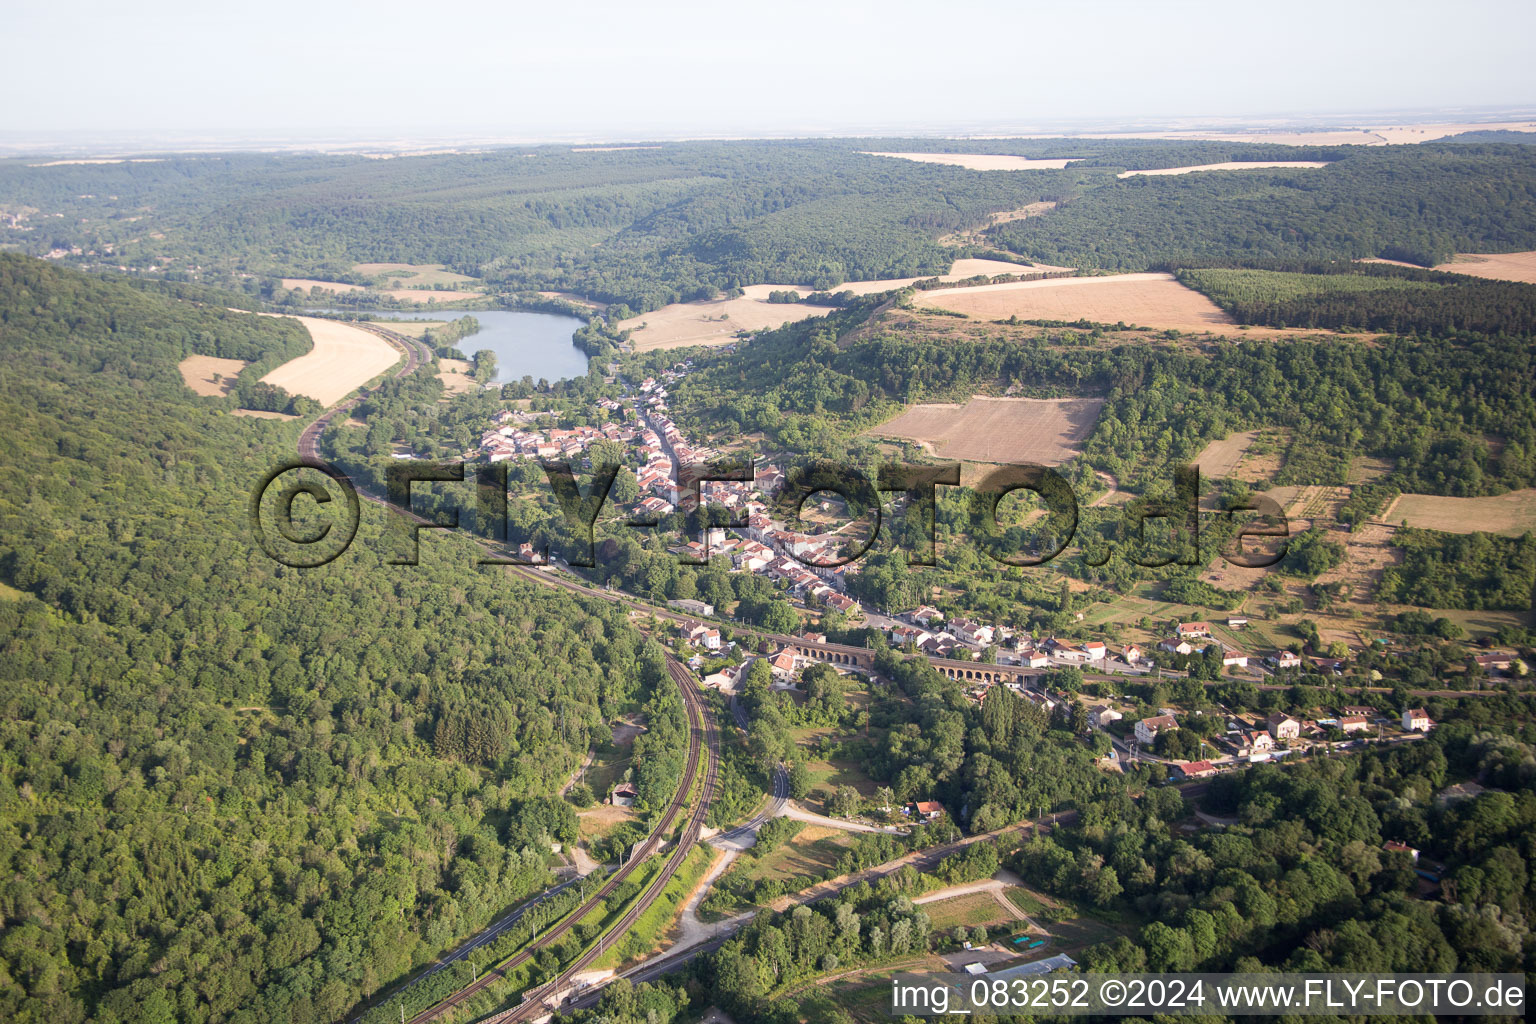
(290, 73)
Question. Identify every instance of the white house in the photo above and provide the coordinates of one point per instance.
(926, 615)
(1108, 715)
(1417, 720)
(1095, 650)
(1283, 727)
(1148, 728)
(1131, 654)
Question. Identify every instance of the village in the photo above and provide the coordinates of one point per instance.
(799, 564)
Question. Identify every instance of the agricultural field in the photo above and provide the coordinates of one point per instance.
(1508, 266)
(406, 275)
(1246, 165)
(981, 161)
(1004, 430)
(718, 321)
(199, 373)
(1222, 457)
(1510, 514)
(344, 358)
(988, 909)
(1148, 299)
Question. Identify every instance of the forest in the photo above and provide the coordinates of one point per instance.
(1372, 297)
(682, 221)
(1418, 204)
(232, 791)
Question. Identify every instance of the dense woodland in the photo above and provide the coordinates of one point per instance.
(230, 790)
(1373, 297)
(691, 220)
(1419, 204)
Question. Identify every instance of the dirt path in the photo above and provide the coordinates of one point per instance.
(690, 930)
(585, 865)
(1111, 482)
(586, 763)
(997, 883)
(794, 810)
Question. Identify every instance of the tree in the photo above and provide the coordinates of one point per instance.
(844, 803)
(485, 366)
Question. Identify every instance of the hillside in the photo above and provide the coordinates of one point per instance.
(229, 790)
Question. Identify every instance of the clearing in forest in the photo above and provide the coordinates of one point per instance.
(981, 161)
(1251, 456)
(344, 358)
(199, 373)
(1148, 299)
(1246, 165)
(1509, 514)
(412, 274)
(454, 373)
(1045, 431)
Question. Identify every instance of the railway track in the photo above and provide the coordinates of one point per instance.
(703, 746)
(703, 734)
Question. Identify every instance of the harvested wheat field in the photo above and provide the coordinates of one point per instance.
(1510, 514)
(1244, 165)
(344, 358)
(1506, 266)
(419, 274)
(1146, 300)
(711, 323)
(1004, 430)
(981, 161)
(304, 284)
(719, 320)
(199, 371)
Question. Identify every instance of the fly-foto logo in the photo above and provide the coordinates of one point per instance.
(290, 506)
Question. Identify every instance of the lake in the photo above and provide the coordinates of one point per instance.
(526, 344)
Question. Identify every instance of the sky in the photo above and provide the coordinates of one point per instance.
(285, 70)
